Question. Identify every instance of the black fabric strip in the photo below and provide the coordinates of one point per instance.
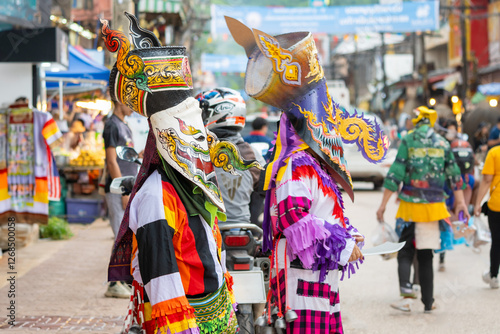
(156, 250)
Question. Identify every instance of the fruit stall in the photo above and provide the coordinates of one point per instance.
(81, 170)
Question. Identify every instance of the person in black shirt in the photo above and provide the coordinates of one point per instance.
(117, 133)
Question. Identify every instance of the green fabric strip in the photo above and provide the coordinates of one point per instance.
(194, 200)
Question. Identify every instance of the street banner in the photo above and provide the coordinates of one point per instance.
(398, 17)
(494, 31)
(455, 54)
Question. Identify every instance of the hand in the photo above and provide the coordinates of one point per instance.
(356, 254)
(141, 154)
(125, 201)
(477, 210)
(359, 238)
(461, 207)
(380, 214)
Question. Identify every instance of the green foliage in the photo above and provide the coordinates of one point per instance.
(56, 229)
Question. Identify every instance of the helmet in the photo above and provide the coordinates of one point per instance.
(222, 108)
(464, 155)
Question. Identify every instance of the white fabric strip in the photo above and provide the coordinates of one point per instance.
(156, 288)
(147, 206)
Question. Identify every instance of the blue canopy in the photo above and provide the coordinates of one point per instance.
(80, 67)
(490, 88)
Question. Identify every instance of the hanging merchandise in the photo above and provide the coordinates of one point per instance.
(25, 165)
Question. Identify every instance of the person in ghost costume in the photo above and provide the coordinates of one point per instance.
(304, 225)
(169, 243)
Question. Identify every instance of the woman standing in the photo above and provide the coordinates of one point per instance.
(491, 181)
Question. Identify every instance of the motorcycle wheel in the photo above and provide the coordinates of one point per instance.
(245, 319)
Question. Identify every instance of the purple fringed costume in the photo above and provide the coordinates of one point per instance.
(304, 223)
(306, 220)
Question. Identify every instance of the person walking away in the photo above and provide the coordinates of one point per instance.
(491, 181)
(464, 157)
(494, 138)
(423, 164)
(480, 142)
(258, 137)
(117, 133)
(223, 113)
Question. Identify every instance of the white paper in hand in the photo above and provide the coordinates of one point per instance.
(385, 248)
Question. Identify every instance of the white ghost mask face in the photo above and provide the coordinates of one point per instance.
(181, 139)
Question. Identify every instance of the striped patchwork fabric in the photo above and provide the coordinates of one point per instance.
(312, 289)
(310, 320)
(307, 199)
(292, 208)
(176, 256)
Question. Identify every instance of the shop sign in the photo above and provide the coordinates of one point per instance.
(42, 45)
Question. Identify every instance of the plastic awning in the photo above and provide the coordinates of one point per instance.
(83, 74)
(492, 88)
(160, 6)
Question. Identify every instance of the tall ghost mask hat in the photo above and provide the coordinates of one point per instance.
(155, 81)
(284, 71)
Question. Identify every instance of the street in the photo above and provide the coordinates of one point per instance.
(60, 285)
(465, 303)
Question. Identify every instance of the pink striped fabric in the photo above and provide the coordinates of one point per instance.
(53, 178)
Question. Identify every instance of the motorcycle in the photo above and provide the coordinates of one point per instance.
(249, 267)
(123, 185)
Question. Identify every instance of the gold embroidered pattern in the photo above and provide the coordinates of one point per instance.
(315, 69)
(282, 60)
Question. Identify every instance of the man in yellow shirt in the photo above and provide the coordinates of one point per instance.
(491, 181)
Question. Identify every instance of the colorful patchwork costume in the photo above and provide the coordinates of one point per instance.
(304, 222)
(169, 242)
(423, 165)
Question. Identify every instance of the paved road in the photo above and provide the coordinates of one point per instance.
(465, 303)
(60, 286)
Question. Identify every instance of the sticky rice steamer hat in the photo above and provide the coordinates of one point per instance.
(284, 71)
(151, 77)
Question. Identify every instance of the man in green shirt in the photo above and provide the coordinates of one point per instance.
(424, 163)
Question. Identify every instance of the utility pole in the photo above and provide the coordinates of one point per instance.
(424, 69)
(356, 84)
(465, 77)
(384, 78)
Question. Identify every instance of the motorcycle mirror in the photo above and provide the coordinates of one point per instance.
(127, 154)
